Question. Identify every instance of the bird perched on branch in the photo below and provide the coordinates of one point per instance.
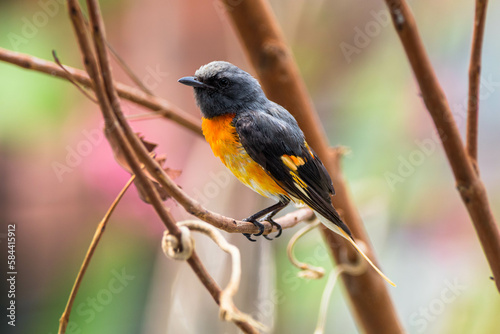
(262, 145)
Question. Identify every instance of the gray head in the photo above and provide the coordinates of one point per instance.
(221, 88)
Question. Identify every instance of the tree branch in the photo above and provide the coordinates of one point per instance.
(267, 50)
(474, 77)
(108, 100)
(154, 103)
(468, 183)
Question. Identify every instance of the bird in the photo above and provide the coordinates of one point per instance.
(261, 143)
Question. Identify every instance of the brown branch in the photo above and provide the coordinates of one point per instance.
(468, 183)
(196, 209)
(212, 287)
(154, 103)
(112, 126)
(117, 126)
(474, 77)
(267, 50)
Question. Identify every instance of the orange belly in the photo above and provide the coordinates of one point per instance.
(223, 139)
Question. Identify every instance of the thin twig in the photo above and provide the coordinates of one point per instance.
(132, 94)
(306, 270)
(352, 269)
(63, 322)
(128, 70)
(170, 246)
(212, 287)
(69, 77)
(144, 116)
(468, 183)
(474, 78)
(121, 62)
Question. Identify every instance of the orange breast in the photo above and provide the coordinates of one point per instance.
(224, 141)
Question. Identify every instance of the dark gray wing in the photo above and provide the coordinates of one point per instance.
(278, 145)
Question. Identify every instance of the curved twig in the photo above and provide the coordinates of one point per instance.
(69, 77)
(306, 270)
(228, 310)
(353, 269)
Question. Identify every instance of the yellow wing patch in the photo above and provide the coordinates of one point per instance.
(292, 161)
(298, 181)
(310, 151)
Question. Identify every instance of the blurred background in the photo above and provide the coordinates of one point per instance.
(58, 176)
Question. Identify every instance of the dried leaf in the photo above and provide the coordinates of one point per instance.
(161, 159)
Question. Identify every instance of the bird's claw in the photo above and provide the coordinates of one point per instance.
(278, 227)
(257, 224)
(267, 237)
(249, 237)
(273, 223)
(261, 228)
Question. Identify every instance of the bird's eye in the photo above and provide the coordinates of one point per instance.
(223, 82)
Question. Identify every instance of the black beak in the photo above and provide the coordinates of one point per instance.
(193, 82)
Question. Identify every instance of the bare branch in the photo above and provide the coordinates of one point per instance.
(474, 76)
(212, 287)
(154, 103)
(468, 183)
(228, 310)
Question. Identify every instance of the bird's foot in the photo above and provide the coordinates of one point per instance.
(278, 227)
(257, 224)
(273, 223)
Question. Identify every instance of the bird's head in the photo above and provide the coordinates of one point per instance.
(221, 88)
